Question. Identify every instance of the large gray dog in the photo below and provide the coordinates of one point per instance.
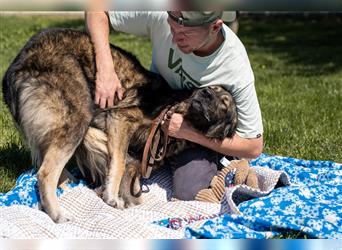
(49, 89)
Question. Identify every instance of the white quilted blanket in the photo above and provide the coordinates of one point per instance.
(95, 219)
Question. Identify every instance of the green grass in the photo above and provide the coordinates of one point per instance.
(298, 70)
(299, 84)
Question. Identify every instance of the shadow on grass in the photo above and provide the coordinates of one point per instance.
(13, 162)
(15, 159)
(313, 44)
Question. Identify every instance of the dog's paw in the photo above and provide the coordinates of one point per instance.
(61, 217)
(115, 202)
(132, 201)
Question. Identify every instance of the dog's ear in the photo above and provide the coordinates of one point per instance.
(224, 127)
(230, 129)
(221, 130)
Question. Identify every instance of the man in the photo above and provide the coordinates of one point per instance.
(190, 50)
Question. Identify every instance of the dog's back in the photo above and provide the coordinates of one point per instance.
(49, 80)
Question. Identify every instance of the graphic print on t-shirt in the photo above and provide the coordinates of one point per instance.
(175, 64)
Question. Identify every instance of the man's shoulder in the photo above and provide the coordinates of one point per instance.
(234, 51)
(138, 22)
(152, 15)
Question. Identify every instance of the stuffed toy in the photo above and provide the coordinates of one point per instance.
(241, 173)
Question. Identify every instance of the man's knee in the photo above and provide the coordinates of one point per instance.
(193, 170)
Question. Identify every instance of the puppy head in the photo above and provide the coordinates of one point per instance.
(212, 111)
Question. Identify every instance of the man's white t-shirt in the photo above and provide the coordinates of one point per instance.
(228, 66)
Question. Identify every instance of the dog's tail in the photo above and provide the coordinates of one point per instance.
(92, 156)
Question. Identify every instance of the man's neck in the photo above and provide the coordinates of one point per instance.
(211, 46)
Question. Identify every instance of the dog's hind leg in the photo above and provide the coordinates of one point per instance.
(49, 173)
(54, 120)
(56, 148)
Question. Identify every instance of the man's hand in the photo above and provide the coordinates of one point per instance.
(177, 127)
(107, 86)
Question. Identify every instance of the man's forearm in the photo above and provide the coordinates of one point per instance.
(236, 146)
(98, 27)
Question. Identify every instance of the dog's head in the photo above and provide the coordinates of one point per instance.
(212, 111)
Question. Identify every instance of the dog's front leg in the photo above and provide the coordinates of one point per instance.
(119, 133)
(130, 188)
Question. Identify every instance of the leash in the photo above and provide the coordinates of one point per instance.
(115, 107)
(152, 152)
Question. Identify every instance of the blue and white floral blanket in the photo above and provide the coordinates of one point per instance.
(312, 204)
(25, 191)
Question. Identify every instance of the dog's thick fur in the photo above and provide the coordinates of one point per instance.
(49, 89)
